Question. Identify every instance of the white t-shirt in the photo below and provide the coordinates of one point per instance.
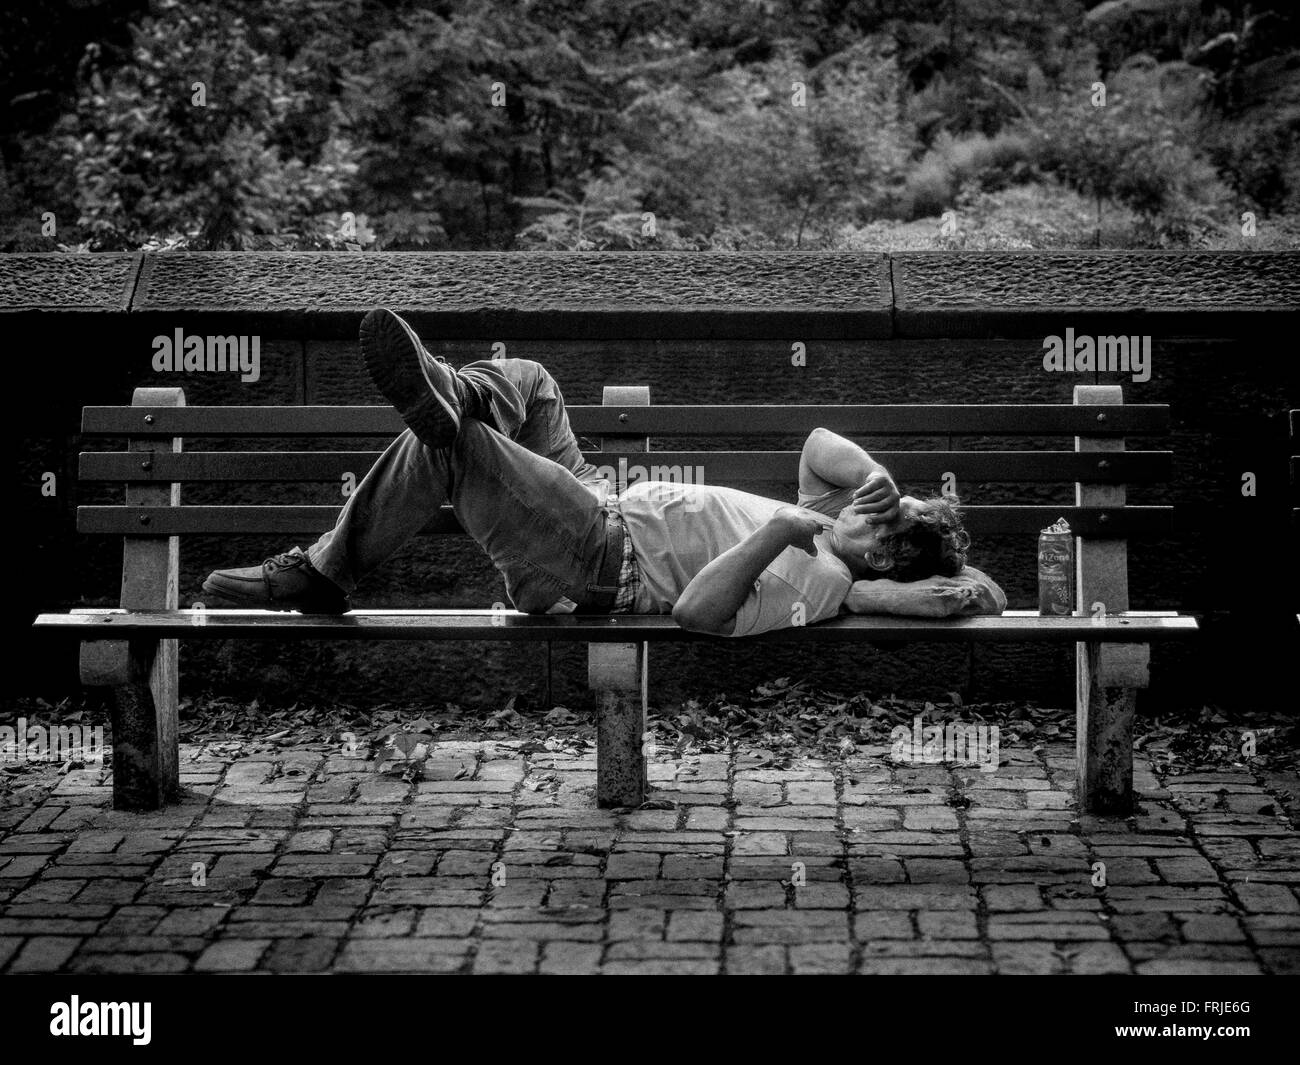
(678, 529)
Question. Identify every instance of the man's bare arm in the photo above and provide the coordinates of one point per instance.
(829, 461)
(969, 593)
(709, 603)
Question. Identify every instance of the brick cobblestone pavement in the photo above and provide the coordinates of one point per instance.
(496, 860)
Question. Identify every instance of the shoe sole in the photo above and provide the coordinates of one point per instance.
(214, 591)
(395, 360)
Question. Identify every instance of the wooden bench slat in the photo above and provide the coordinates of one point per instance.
(999, 419)
(726, 420)
(1012, 627)
(1108, 522)
(719, 467)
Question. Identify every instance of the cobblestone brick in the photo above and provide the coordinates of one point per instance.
(660, 967)
(401, 955)
(700, 925)
(563, 958)
(129, 963)
(44, 954)
(1029, 958)
(874, 966)
(1012, 897)
(885, 924)
(309, 954)
(748, 960)
(947, 924)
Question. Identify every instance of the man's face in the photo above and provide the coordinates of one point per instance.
(855, 535)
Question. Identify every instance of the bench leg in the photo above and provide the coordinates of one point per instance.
(1108, 677)
(146, 769)
(143, 673)
(616, 672)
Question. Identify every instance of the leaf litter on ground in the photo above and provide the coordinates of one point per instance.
(770, 727)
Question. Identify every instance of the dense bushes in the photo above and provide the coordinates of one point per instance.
(585, 124)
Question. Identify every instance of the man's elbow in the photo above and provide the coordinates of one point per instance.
(694, 620)
(986, 597)
(990, 598)
(987, 602)
(686, 617)
(816, 437)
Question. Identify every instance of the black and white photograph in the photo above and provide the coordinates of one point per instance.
(651, 488)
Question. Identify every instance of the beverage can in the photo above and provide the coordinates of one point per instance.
(1056, 570)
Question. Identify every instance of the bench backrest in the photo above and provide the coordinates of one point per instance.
(164, 437)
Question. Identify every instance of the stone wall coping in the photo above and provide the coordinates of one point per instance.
(666, 295)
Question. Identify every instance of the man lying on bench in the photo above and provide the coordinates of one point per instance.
(494, 438)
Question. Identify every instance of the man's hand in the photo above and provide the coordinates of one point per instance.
(797, 527)
(877, 498)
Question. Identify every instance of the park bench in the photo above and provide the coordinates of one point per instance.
(133, 648)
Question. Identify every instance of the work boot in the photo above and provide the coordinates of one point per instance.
(284, 582)
(429, 395)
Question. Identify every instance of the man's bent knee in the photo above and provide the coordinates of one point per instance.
(535, 599)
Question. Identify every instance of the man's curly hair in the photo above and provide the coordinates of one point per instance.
(934, 545)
